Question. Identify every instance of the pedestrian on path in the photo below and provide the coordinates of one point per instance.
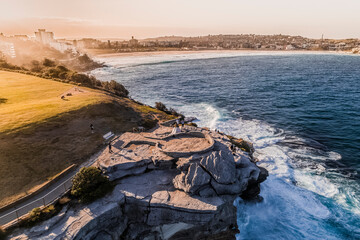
(110, 150)
(92, 128)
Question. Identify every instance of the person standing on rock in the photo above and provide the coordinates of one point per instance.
(182, 123)
(233, 149)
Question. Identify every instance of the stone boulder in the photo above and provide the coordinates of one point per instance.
(221, 166)
(195, 179)
(229, 189)
(184, 163)
(242, 159)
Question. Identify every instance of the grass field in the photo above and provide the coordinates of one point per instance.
(41, 134)
(27, 99)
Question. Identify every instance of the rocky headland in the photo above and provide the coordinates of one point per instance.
(180, 186)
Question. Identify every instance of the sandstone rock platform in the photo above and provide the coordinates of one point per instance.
(159, 194)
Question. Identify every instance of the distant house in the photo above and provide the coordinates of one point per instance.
(133, 42)
(21, 37)
(290, 47)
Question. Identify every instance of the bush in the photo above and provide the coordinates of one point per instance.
(192, 124)
(35, 66)
(118, 89)
(62, 68)
(4, 64)
(242, 144)
(2, 234)
(160, 106)
(89, 184)
(174, 112)
(83, 79)
(52, 72)
(149, 123)
(48, 63)
(38, 215)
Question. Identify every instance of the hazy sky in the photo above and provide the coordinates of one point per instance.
(149, 18)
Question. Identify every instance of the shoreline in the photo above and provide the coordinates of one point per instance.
(177, 52)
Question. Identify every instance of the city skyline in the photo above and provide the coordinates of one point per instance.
(143, 19)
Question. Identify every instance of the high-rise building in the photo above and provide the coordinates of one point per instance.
(44, 37)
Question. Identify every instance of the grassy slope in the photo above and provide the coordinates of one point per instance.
(31, 100)
(40, 134)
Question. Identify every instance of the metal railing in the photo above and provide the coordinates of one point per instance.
(16, 214)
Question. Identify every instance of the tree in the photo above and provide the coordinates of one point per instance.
(89, 184)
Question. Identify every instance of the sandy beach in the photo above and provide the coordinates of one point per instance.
(104, 54)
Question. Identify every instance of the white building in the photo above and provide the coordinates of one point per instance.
(44, 37)
(7, 49)
(63, 46)
(47, 38)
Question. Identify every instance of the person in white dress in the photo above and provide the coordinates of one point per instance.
(175, 130)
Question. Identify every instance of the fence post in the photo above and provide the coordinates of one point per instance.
(17, 215)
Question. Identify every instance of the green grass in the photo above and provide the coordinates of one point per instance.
(27, 99)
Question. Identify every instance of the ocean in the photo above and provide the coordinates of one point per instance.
(300, 110)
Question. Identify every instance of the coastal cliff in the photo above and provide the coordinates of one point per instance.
(162, 191)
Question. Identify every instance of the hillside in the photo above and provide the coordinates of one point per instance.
(42, 134)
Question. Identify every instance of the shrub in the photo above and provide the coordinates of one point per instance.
(149, 123)
(172, 111)
(83, 79)
(160, 106)
(48, 63)
(118, 89)
(242, 144)
(2, 234)
(38, 215)
(62, 68)
(4, 64)
(35, 66)
(192, 124)
(89, 184)
(52, 72)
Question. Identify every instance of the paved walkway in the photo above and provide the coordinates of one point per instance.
(45, 197)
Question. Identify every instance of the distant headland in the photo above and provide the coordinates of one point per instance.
(18, 48)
